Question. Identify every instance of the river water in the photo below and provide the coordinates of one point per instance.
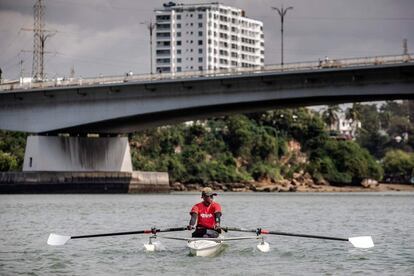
(27, 220)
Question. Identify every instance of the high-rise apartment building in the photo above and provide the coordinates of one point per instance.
(206, 37)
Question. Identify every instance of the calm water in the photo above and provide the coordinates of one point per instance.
(27, 220)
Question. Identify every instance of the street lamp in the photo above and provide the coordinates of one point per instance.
(151, 26)
(282, 12)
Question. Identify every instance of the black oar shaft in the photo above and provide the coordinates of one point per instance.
(153, 231)
(305, 236)
(262, 231)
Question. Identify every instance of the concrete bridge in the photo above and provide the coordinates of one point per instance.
(130, 103)
(114, 106)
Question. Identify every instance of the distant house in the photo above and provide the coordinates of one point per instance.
(344, 129)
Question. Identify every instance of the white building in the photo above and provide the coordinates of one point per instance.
(347, 127)
(206, 37)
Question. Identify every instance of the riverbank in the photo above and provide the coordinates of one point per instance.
(381, 187)
(266, 187)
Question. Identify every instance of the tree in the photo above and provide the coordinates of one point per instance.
(398, 165)
(344, 162)
(7, 162)
(330, 116)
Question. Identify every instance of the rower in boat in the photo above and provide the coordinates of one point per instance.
(205, 216)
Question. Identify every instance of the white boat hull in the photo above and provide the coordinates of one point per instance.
(205, 248)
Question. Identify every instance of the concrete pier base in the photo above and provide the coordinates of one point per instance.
(83, 182)
(60, 164)
(77, 154)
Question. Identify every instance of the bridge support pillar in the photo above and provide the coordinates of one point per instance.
(77, 154)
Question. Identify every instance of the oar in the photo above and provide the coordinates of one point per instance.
(359, 242)
(56, 239)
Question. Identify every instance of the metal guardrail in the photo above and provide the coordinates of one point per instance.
(289, 67)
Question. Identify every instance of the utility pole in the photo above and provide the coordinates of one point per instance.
(405, 46)
(151, 26)
(39, 40)
(282, 12)
(21, 71)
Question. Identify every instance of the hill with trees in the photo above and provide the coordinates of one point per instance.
(271, 147)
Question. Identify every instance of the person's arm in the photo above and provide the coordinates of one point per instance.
(193, 220)
(217, 217)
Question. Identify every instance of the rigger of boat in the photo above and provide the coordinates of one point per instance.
(205, 247)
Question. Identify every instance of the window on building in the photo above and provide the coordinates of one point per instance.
(200, 59)
(200, 51)
(200, 68)
(179, 26)
(179, 69)
(178, 16)
(178, 34)
(200, 25)
(178, 42)
(200, 33)
(178, 60)
(178, 51)
(163, 52)
(200, 16)
(163, 17)
(200, 42)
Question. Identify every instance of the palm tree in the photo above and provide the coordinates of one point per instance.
(354, 115)
(330, 116)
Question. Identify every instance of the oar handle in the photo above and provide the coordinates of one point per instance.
(151, 231)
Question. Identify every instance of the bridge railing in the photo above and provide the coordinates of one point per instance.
(289, 67)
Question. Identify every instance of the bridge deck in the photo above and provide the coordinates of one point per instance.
(328, 64)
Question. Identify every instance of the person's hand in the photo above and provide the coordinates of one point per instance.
(217, 226)
(190, 227)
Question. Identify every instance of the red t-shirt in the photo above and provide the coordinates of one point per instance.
(206, 214)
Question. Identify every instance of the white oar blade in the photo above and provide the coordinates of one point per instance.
(362, 242)
(263, 247)
(56, 239)
(154, 246)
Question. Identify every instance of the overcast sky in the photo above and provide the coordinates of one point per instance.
(106, 37)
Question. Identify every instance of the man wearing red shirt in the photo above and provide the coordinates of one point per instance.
(207, 214)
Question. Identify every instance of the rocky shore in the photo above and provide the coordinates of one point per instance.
(299, 183)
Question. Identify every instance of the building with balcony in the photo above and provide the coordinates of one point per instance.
(206, 37)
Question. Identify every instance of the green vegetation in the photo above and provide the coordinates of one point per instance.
(12, 145)
(270, 146)
(253, 147)
(399, 165)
